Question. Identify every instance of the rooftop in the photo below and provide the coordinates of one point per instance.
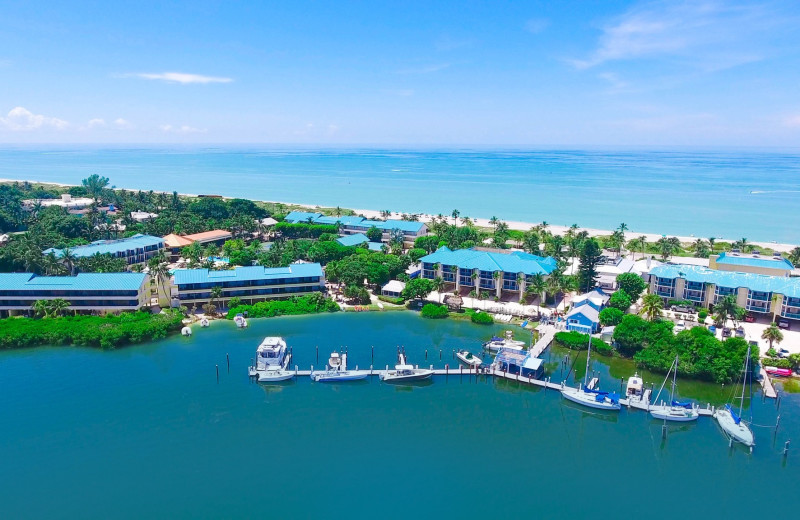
(209, 236)
(732, 279)
(300, 217)
(82, 281)
(358, 239)
(512, 262)
(103, 247)
(173, 240)
(256, 272)
(754, 260)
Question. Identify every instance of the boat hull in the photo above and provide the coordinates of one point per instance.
(394, 378)
(339, 377)
(273, 376)
(474, 362)
(588, 399)
(674, 414)
(738, 432)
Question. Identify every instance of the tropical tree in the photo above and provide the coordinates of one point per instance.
(772, 334)
(69, 260)
(58, 306)
(538, 286)
(794, 256)
(94, 185)
(727, 308)
(41, 308)
(741, 245)
(651, 307)
(216, 294)
(590, 258)
(701, 248)
(455, 215)
(159, 271)
(493, 221)
(438, 285)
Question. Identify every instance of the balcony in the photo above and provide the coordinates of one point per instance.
(666, 292)
(694, 295)
(757, 306)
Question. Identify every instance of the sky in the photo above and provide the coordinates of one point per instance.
(495, 73)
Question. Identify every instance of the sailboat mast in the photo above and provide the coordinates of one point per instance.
(674, 376)
(588, 355)
(744, 380)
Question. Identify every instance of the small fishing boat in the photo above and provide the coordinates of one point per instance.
(240, 321)
(204, 322)
(634, 390)
(403, 372)
(591, 397)
(778, 372)
(337, 371)
(508, 342)
(468, 359)
(731, 421)
(274, 374)
(186, 331)
(675, 410)
(271, 356)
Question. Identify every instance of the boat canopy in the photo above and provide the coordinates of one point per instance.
(593, 391)
(495, 338)
(404, 367)
(614, 397)
(736, 418)
(682, 405)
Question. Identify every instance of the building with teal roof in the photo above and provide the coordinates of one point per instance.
(358, 239)
(352, 225)
(85, 292)
(756, 293)
(135, 250)
(775, 265)
(482, 269)
(250, 284)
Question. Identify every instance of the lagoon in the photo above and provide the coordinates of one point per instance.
(146, 431)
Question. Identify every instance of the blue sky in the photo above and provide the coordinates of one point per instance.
(581, 73)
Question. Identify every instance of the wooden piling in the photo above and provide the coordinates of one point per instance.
(217, 373)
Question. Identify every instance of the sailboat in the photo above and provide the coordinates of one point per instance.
(589, 396)
(674, 411)
(730, 421)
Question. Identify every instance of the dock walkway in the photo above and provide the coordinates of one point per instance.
(766, 384)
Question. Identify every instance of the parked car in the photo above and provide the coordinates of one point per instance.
(784, 324)
(726, 332)
(749, 318)
(682, 308)
(740, 332)
(782, 352)
(680, 326)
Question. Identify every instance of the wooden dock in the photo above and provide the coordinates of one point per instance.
(766, 385)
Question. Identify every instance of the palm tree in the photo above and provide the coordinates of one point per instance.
(58, 306)
(772, 334)
(95, 184)
(727, 308)
(794, 256)
(159, 270)
(216, 294)
(538, 285)
(496, 278)
(438, 285)
(455, 215)
(454, 270)
(473, 276)
(651, 307)
(41, 308)
(741, 245)
(69, 259)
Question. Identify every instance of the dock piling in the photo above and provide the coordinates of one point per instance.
(664, 430)
(373, 353)
(228, 359)
(786, 448)
(777, 423)
(426, 354)
(440, 354)
(217, 373)
(317, 348)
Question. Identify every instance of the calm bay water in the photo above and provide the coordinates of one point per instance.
(722, 194)
(146, 431)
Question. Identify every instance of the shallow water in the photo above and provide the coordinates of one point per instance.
(675, 192)
(147, 431)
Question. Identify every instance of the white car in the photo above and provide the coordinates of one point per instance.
(680, 326)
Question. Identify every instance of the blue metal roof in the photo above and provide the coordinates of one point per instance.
(731, 279)
(302, 217)
(81, 282)
(514, 262)
(388, 225)
(353, 240)
(110, 246)
(295, 217)
(755, 261)
(250, 273)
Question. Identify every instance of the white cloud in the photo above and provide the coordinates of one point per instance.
(184, 129)
(711, 34)
(121, 123)
(536, 25)
(180, 77)
(22, 119)
(96, 122)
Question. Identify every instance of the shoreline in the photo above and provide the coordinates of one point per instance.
(480, 222)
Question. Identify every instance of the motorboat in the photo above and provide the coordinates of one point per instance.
(468, 358)
(240, 321)
(675, 410)
(730, 421)
(634, 390)
(204, 322)
(337, 371)
(497, 343)
(591, 396)
(273, 374)
(271, 355)
(403, 372)
(186, 331)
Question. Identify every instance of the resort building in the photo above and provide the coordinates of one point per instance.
(86, 292)
(774, 265)
(65, 201)
(358, 239)
(350, 225)
(756, 293)
(250, 284)
(608, 270)
(135, 250)
(143, 216)
(585, 311)
(493, 270)
(174, 243)
(393, 289)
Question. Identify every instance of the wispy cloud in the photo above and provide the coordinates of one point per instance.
(179, 77)
(184, 129)
(121, 123)
(426, 69)
(96, 123)
(20, 119)
(709, 34)
(537, 25)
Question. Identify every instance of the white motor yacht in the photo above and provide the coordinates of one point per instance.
(271, 356)
(496, 343)
(468, 358)
(240, 321)
(404, 372)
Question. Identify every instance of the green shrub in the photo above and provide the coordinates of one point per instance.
(776, 362)
(702, 315)
(603, 348)
(389, 299)
(432, 310)
(95, 331)
(572, 340)
(611, 316)
(309, 304)
(620, 300)
(483, 318)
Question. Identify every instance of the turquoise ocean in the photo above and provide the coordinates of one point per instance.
(147, 431)
(726, 194)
